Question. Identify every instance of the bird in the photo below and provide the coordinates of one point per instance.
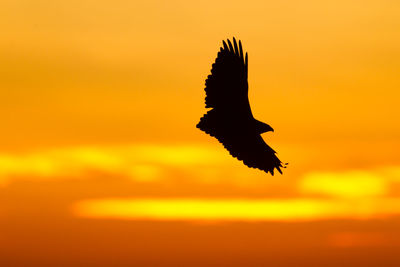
(230, 119)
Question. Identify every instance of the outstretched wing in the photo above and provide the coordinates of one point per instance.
(252, 150)
(230, 119)
(243, 144)
(226, 87)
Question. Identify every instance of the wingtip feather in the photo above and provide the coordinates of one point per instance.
(230, 46)
(225, 46)
(240, 50)
(236, 46)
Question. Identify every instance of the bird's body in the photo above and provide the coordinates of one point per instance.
(230, 120)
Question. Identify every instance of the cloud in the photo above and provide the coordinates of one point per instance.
(144, 162)
(192, 209)
(11, 166)
(349, 184)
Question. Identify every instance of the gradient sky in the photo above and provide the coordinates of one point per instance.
(101, 163)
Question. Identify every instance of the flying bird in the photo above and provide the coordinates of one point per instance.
(230, 119)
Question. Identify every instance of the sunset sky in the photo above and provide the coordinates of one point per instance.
(101, 163)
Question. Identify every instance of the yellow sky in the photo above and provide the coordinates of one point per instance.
(99, 102)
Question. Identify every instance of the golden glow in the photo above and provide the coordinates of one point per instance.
(99, 102)
(141, 162)
(344, 184)
(236, 209)
(38, 165)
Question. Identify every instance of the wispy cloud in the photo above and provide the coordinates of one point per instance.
(139, 162)
(236, 209)
(355, 194)
(351, 184)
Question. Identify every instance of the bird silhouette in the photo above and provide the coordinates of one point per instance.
(230, 120)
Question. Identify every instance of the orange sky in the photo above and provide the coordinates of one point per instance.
(101, 163)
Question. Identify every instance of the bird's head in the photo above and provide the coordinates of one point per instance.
(266, 128)
(263, 127)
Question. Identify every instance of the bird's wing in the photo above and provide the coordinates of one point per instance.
(226, 87)
(252, 150)
(230, 118)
